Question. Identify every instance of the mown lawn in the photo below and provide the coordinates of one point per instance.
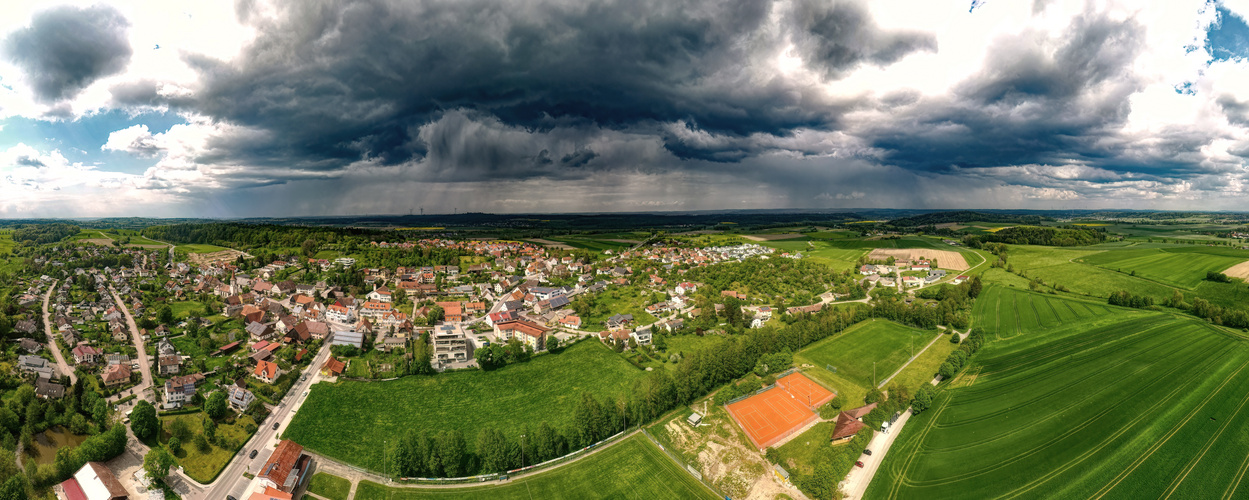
(853, 352)
(619, 300)
(1137, 406)
(350, 420)
(799, 454)
(329, 486)
(201, 466)
(633, 468)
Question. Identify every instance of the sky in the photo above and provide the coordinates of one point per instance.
(174, 108)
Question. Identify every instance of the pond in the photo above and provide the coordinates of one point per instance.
(46, 443)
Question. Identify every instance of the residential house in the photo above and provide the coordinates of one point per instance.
(259, 330)
(169, 365)
(29, 345)
(178, 390)
(286, 469)
(618, 321)
(527, 332)
(94, 481)
(239, 397)
(85, 354)
(36, 365)
(849, 423)
(451, 344)
(338, 313)
(333, 367)
(266, 371)
(116, 375)
(381, 294)
(48, 390)
(642, 336)
(374, 309)
(571, 321)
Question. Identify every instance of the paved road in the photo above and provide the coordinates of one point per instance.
(144, 366)
(61, 365)
(856, 482)
(231, 480)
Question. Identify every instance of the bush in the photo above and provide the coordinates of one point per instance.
(954, 339)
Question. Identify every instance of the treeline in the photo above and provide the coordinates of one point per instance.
(1065, 236)
(239, 235)
(965, 216)
(445, 454)
(40, 234)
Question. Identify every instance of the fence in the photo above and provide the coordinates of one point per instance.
(744, 396)
(690, 468)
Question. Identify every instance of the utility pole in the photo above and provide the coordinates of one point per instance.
(873, 374)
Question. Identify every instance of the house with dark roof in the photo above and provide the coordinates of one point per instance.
(49, 390)
(29, 345)
(239, 397)
(286, 468)
(849, 423)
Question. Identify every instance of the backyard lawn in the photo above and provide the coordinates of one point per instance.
(201, 466)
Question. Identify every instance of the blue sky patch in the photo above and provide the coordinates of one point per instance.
(1227, 38)
(80, 140)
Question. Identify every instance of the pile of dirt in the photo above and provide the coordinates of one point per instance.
(724, 457)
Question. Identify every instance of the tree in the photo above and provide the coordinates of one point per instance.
(216, 407)
(180, 429)
(143, 420)
(175, 445)
(661, 342)
(946, 371)
(451, 452)
(923, 399)
(157, 463)
(552, 343)
(492, 447)
(201, 443)
(164, 315)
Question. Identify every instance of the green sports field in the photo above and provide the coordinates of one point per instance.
(1183, 266)
(1132, 406)
(853, 351)
(349, 421)
(633, 468)
(1004, 312)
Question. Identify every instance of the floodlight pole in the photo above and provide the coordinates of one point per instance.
(522, 451)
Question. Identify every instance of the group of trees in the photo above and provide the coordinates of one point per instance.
(1124, 298)
(772, 277)
(1065, 236)
(499, 355)
(42, 234)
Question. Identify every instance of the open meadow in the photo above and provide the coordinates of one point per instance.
(1129, 406)
(633, 468)
(349, 421)
(1183, 266)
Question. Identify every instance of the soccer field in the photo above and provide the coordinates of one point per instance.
(349, 421)
(633, 468)
(1148, 406)
(852, 352)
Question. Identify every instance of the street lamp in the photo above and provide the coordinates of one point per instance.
(522, 451)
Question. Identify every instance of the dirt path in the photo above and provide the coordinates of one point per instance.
(47, 330)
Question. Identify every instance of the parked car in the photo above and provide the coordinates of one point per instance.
(253, 454)
(231, 497)
(859, 464)
(275, 425)
(867, 452)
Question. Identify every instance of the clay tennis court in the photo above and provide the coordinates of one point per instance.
(805, 390)
(774, 414)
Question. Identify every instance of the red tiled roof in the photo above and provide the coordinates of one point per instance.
(266, 369)
(281, 462)
(333, 366)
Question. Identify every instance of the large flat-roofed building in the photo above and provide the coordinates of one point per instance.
(450, 345)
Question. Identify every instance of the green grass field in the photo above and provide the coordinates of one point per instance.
(204, 467)
(633, 468)
(853, 351)
(181, 310)
(349, 420)
(199, 248)
(329, 486)
(1004, 312)
(1129, 406)
(1183, 266)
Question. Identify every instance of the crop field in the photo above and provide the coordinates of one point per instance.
(349, 420)
(633, 468)
(1139, 406)
(1007, 312)
(199, 248)
(853, 352)
(597, 245)
(1181, 267)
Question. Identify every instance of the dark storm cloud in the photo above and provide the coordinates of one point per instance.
(839, 36)
(335, 81)
(29, 161)
(1028, 106)
(67, 48)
